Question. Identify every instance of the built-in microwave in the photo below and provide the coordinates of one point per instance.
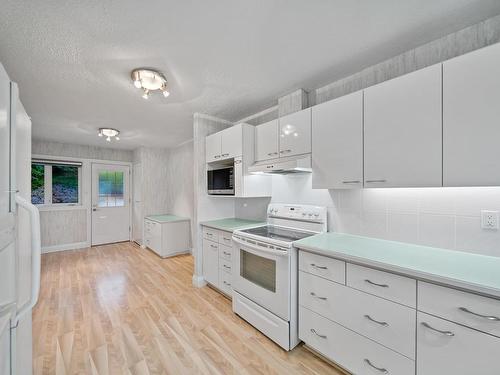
(220, 181)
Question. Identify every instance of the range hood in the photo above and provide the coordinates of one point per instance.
(288, 165)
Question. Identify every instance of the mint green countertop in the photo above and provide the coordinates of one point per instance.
(166, 218)
(231, 224)
(479, 273)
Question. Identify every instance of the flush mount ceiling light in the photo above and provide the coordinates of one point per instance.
(109, 133)
(149, 81)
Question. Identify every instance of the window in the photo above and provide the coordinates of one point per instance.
(111, 189)
(55, 182)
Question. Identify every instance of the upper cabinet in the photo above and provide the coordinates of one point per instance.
(295, 133)
(337, 143)
(403, 131)
(228, 143)
(471, 119)
(266, 141)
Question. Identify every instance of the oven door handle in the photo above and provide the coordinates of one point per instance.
(260, 249)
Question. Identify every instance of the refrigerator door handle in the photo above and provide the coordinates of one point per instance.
(35, 257)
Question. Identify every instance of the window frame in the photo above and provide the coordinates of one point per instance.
(47, 182)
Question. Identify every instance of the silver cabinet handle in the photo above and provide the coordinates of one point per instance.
(269, 166)
(376, 284)
(489, 317)
(446, 333)
(226, 267)
(226, 239)
(225, 154)
(319, 267)
(317, 334)
(213, 246)
(226, 253)
(226, 283)
(216, 156)
(375, 181)
(384, 324)
(285, 151)
(209, 234)
(238, 161)
(272, 153)
(318, 297)
(351, 182)
(382, 370)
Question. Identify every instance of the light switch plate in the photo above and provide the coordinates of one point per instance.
(489, 219)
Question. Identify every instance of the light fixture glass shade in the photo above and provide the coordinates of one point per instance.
(137, 83)
(109, 133)
(166, 93)
(149, 80)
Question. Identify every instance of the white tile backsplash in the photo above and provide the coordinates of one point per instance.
(439, 217)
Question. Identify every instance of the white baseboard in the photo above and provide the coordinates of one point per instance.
(64, 247)
(199, 281)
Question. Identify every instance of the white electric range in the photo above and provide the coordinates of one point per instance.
(265, 269)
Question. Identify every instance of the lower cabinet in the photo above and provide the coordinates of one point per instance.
(444, 347)
(350, 350)
(217, 252)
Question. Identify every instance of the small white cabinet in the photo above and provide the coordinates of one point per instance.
(211, 262)
(229, 143)
(471, 117)
(232, 141)
(295, 133)
(403, 131)
(167, 235)
(213, 148)
(217, 254)
(337, 143)
(266, 141)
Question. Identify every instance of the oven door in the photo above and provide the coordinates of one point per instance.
(263, 275)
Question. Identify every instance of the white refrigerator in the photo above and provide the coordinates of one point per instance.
(19, 234)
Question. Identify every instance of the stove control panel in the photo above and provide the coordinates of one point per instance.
(300, 212)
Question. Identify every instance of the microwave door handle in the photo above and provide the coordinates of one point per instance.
(260, 249)
(35, 257)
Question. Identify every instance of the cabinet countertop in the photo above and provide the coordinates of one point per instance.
(166, 218)
(231, 224)
(473, 272)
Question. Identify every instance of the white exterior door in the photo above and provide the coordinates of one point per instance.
(110, 203)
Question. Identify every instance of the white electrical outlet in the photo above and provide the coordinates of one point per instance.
(489, 219)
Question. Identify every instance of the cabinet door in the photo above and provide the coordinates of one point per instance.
(403, 131)
(213, 147)
(211, 262)
(266, 141)
(5, 347)
(448, 348)
(295, 133)
(471, 115)
(337, 143)
(232, 142)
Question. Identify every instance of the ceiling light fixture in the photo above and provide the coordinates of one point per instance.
(109, 134)
(149, 81)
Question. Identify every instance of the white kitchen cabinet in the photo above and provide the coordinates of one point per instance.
(444, 347)
(471, 115)
(237, 140)
(167, 235)
(337, 143)
(247, 184)
(295, 133)
(403, 131)
(211, 262)
(213, 149)
(266, 141)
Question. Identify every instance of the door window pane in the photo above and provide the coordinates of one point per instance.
(258, 270)
(64, 184)
(111, 189)
(37, 183)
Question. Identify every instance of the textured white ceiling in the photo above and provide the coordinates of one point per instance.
(228, 58)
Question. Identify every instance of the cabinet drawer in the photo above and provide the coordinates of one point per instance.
(353, 352)
(383, 284)
(478, 312)
(385, 322)
(210, 234)
(225, 252)
(329, 268)
(225, 282)
(225, 265)
(447, 348)
(225, 238)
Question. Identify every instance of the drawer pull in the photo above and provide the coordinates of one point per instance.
(319, 267)
(209, 234)
(376, 284)
(317, 334)
(272, 153)
(213, 246)
(492, 318)
(226, 253)
(375, 181)
(226, 239)
(318, 297)
(226, 267)
(446, 333)
(351, 182)
(382, 370)
(226, 283)
(384, 324)
(225, 154)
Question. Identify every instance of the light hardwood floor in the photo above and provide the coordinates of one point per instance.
(118, 309)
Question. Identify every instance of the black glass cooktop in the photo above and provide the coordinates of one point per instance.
(278, 233)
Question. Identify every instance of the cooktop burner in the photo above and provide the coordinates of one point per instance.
(278, 233)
